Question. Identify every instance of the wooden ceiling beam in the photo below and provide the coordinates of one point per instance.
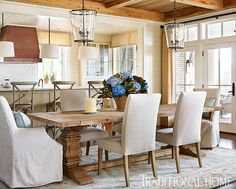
(206, 4)
(99, 7)
(186, 13)
(196, 11)
(122, 3)
(229, 4)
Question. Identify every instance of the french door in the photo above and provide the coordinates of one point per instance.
(184, 66)
(220, 72)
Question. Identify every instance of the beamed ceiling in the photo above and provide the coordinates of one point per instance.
(157, 10)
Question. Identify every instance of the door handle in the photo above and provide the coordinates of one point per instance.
(233, 89)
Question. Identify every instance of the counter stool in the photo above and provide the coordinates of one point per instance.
(95, 91)
(29, 88)
(55, 104)
(95, 86)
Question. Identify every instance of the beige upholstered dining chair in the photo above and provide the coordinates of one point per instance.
(28, 156)
(210, 129)
(73, 100)
(187, 124)
(138, 131)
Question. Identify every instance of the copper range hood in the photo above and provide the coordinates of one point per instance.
(25, 43)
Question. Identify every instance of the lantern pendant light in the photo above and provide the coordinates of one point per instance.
(83, 25)
(174, 33)
(49, 50)
(6, 47)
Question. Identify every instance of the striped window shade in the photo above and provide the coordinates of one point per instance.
(125, 39)
(57, 38)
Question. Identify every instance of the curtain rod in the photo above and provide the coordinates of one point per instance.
(199, 19)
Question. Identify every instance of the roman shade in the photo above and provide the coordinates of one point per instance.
(56, 38)
(124, 39)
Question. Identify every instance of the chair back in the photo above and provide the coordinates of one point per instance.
(73, 100)
(7, 122)
(212, 94)
(139, 123)
(94, 88)
(22, 93)
(187, 123)
(8, 129)
(57, 86)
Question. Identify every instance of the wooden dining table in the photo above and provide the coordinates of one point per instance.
(71, 124)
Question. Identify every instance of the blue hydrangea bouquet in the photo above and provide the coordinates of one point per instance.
(123, 84)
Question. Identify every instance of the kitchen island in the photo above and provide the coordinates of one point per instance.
(41, 97)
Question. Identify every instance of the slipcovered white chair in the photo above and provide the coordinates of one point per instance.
(73, 100)
(28, 156)
(187, 124)
(210, 129)
(138, 131)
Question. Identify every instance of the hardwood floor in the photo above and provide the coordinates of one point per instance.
(228, 141)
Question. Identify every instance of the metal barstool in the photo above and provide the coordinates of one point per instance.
(17, 105)
(95, 91)
(95, 87)
(55, 104)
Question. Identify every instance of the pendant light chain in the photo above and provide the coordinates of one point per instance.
(174, 32)
(49, 31)
(2, 19)
(83, 21)
(83, 25)
(175, 25)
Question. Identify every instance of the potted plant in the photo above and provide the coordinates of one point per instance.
(120, 85)
(53, 77)
(46, 78)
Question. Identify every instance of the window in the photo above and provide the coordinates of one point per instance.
(214, 30)
(54, 66)
(125, 58)
(99, 68)
(219, 69)
(191, 33)
(220, 29)
(229, 28)
(184, 72)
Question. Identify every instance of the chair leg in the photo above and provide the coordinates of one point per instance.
(199, 154)
(87, 148)
(106, 155)
(172, 152)
(126, 169)
(149, 157)
(176, 153)
(130, 162)
(99, 160)
(153, 161)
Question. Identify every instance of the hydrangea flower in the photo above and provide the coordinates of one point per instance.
(113, 81)
(125, 75)
(123, 84)
(146, 85)
(118, 90)
(137, 86)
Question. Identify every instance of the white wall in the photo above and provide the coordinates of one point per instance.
(75, 69)
(152, 55)
(18, 72)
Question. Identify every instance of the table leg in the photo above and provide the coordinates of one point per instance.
(72, 152)
(108, 128)
(190, 150)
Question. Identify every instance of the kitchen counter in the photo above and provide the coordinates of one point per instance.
(41, 97)
(37, 88)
